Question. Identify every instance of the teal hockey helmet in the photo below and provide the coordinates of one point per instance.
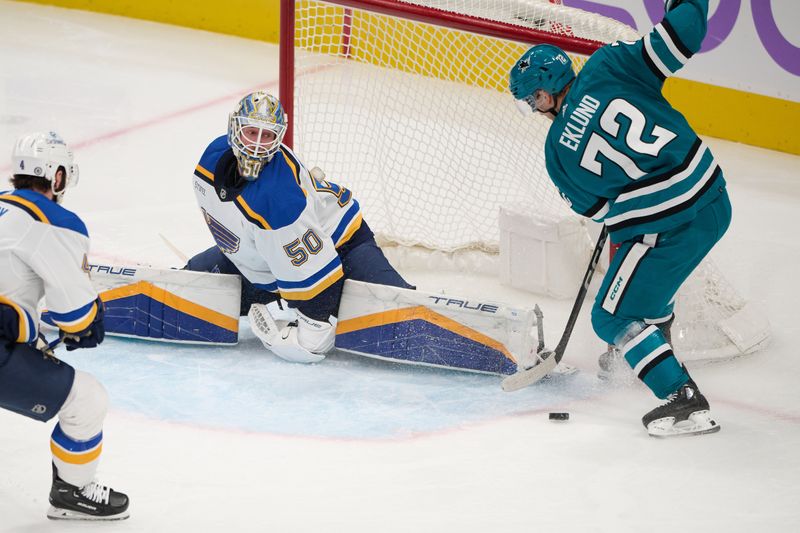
(544, 67)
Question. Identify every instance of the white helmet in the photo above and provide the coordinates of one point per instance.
(41, 155)
(263, 113)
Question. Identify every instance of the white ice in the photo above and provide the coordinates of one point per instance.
(214, 439)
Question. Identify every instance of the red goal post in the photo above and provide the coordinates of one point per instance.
(419, 13)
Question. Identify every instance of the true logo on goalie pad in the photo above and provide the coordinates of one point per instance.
(465, 304)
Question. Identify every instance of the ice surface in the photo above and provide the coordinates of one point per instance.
(210, 439)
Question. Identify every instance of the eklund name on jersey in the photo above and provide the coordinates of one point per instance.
(573, 132)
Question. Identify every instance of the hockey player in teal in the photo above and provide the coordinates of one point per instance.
(620, 154)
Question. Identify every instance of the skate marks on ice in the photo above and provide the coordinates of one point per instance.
(345, 397)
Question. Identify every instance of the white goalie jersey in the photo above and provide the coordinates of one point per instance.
(281, 230)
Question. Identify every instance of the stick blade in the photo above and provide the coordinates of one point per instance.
(529, 376)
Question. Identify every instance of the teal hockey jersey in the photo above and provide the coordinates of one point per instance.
(618, 151)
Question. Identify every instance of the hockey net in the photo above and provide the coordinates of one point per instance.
(406, 104)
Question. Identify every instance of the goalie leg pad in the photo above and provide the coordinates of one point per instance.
(430, 329)
(168, 305)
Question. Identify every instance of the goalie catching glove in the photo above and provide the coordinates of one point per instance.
(302, 340)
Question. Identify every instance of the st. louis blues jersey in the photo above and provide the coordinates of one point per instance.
(43, 249)
(617, 151)
(281, 230)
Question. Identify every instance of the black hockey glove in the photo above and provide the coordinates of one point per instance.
(9, 323)
(89, 337)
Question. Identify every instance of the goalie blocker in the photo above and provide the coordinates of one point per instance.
(412, 326)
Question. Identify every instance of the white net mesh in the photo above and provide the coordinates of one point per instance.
(713, 322)
(416, 119)
(546, 15)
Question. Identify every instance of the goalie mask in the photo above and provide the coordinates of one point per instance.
(255, 132)
(42, 155)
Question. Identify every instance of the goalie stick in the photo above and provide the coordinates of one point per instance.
(549, 359)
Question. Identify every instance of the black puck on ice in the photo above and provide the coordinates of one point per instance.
(559, 416)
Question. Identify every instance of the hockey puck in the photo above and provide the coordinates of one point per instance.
(559, 416)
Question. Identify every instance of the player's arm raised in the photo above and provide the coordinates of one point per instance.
(672, 42)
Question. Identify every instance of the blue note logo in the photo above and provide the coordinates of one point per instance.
(227, 240)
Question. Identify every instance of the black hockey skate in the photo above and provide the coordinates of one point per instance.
(91, 502)
(686, 413)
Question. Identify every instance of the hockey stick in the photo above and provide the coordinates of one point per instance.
(549, 360)
(175, 250)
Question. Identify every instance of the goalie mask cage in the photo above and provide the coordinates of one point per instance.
(406, 104)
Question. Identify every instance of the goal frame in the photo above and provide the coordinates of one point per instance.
(428, 15)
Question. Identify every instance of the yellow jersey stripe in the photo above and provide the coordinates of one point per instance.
(252, 214)
(75, 458)
(292, 165)
(172, 300)
(28, 206)
(351, 229)
(205, 172)
(420, 313)
(320, 286)
(75, 327)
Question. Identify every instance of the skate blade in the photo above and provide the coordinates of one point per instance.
(55, 513)
(698, 423)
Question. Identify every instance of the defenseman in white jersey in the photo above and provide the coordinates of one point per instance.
(42, 250)
(288, 232)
